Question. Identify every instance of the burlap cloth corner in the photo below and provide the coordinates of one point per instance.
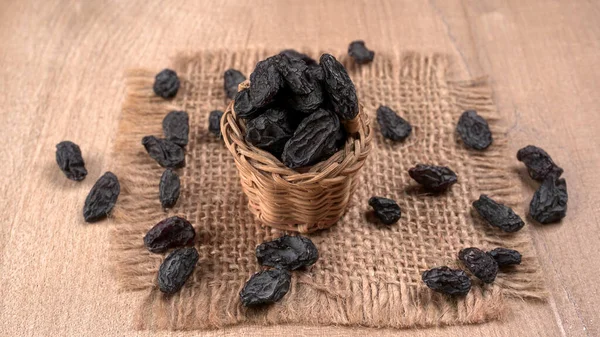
(366, 275)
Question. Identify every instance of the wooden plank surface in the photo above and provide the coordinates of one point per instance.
(61, 66)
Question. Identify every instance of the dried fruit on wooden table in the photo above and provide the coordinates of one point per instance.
(549, 202)
(447, 281)
(359, 52)
(497, 214)
(243, 107)
(339, 87)
(232, 78)
(314, 140)
(265, 82)
(505, 256)
(102, 198)
(539, 163)
(433, 178)
(287, 252)
(169, 188)
(70, 160)
(165, 152)
(480, 263)
(169, 233)
(214, 122)
(265, 287)
(166, 84)
(391, 125)
(176, 269)
(296, 54)
(386, 210)
(294, 73)
(270, 131)
(474, 130)
(176, 127)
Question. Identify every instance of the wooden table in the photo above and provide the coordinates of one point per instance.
(61, 77)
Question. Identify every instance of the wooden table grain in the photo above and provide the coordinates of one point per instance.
(61, 77)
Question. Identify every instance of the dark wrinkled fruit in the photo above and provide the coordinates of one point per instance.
(294, 73)
(505, 256)
(474, 130)
(391, 125)
(314, 140)
(270, 131)
(447, 281)
(165, 152)
(176, 269)
(549, 202)
(339, 87)
(169, 233)
(166, 84)
(232, 78)
(168, 188)
(102, 198)
(214, 122)
(498, 215)
(287, 252)
(265, 287)
(291, 53)
(265, 82)
(480, 263)
(387, 210)
(359, 52)
(314, 99)
(433, 178)
(176, 127)
(243, 106)
(70, 160)
(539, 163)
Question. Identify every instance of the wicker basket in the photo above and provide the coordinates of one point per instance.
(306, 201)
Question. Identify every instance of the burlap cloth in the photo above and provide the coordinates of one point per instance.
(366, 275)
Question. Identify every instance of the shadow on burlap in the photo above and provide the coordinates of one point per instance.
(366, 275)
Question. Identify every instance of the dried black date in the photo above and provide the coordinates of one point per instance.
(291, 53)
(447, 281)
(265, 287)
(176, 127)
(270, 131)
(214, 122)
(340, 89)
(265, 82)
(549, 202)
(505, 257)
(359, 52)
(287, 252)
(165, 152)
(391, 125)
(169, 233)
(169, 188)
(243, 106)
(314, 140)
(176, 269)
(70, 160)
(433, 178)
(480, 263)
(294, 73)
(232, 78)
(387, 210)
(474, 130)
(539, 163)
(102, 198)
(497, 214)
(166, 84)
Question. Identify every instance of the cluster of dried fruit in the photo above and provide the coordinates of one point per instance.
(284, 254)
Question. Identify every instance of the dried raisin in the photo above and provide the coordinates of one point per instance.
(340, 89)
(391, 125)
(505, 257)
(214, 122)
(291, 53)
(232, 78)
(359, 52)
(169, 188)
(169, 233)
(433, 178)
(294, 73)
(270, 131)
(386, 210)
(474, 130)
(165, 152)
(264, 287)
(265, 82)
(539, 163)
(549, 202)
(447, 281)
(176, 269)
(243, 107)
(102, 198)
(166, 84)
(176, 127)
(480, 263)
(70, 160)
(287, 252)
(497, 214)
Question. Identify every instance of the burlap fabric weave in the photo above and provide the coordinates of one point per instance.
(366, 275)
